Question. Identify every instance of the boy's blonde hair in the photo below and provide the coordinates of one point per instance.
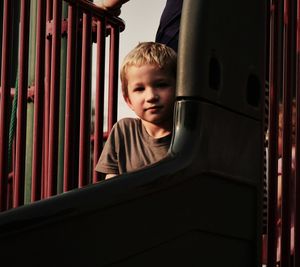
(148, 53)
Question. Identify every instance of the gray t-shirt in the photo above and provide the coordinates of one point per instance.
(129, 147)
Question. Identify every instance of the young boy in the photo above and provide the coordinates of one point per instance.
(148, 77)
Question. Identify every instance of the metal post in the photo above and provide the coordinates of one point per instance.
(19, 177)
(5, 101)
(69, 157)
(99, 100)
(54, 99)
(113, 77)
(85, 106)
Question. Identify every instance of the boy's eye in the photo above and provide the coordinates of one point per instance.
(138, 89)
(162, 84)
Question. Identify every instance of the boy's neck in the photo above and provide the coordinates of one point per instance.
(158, 131)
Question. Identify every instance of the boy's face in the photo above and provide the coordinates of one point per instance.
(151, 94)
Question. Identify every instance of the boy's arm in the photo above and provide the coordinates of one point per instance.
(108, 160)
(110, 175)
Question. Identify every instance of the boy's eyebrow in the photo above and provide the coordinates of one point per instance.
(136, 83)
(164, 77)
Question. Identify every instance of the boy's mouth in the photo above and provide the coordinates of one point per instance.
(154, 108)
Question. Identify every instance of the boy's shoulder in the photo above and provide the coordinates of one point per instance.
(128, 122)
(125, 124)
(127, 128)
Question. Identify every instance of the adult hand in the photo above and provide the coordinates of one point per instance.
(111, 6)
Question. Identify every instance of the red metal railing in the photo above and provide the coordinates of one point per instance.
(19, 173)
(38, 103)
(85, 24)
(283, 198)
(5, 102)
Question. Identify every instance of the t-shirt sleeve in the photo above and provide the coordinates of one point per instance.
(108, 161)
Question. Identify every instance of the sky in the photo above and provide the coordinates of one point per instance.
(141, 22)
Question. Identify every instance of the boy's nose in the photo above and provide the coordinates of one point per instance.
(151, 95)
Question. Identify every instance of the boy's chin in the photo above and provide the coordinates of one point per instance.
(160, 121)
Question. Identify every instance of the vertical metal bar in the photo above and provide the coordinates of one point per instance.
(11, 175)
(19, 177)
(47, 103)
(113, 77)
(10, 190)
(38, 103)
(54, 98)
(30, 105)
(62, 102)
(289, 85)
(1, 28)
(297, 155)
(99, 100)
(276, 78)
(85, 106)
(69, 163)
(269, 15)
(5, 101)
